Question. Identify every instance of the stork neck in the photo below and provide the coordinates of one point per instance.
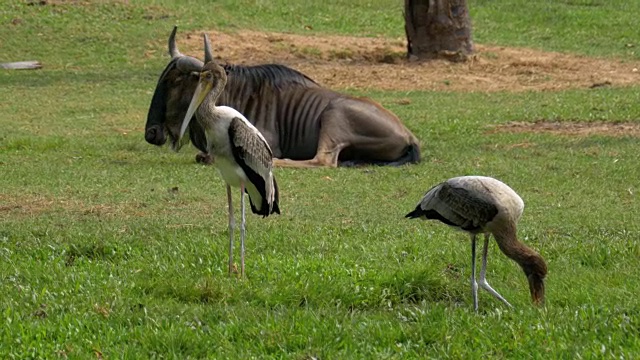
(209, 101)
(527, 258)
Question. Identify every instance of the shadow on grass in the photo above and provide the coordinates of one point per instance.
(396, 290)
(205, 291)
(98, 250)
(415, 288)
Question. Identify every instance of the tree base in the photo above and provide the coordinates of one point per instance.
(438, 29)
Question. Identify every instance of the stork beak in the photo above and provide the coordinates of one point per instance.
(201, 92)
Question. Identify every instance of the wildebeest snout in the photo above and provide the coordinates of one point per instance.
(155, 135)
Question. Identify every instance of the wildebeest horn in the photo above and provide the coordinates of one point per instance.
(173, 48)
(187, 64)
(208, 55)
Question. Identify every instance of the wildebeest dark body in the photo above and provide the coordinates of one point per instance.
(306, 125)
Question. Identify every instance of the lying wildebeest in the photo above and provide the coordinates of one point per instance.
(305, 124)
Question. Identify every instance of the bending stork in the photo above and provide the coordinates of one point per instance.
(241, 153)
(479, 204)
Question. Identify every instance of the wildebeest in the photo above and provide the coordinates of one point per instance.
(305, 124)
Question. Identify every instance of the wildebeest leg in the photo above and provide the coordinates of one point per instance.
(326, 156)
(371, 133)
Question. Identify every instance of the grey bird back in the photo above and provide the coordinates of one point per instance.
(470, 210)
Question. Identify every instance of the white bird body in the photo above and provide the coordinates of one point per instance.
(216, 127)
(240, 152)
(480, 204)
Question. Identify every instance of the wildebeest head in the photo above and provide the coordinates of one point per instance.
(171, 100)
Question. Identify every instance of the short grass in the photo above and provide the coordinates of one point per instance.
(111, 247)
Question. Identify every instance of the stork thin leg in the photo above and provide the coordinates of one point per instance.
(232, 225)
(474, 284)
(483, 272)
(242, 230)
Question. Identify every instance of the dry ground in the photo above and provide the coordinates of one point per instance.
(579, 129)
(342, 62)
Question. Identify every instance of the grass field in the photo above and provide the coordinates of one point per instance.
(113, 248)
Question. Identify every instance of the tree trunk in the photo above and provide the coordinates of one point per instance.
(438, 29)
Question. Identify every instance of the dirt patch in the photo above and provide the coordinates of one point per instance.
(343, 62)
(28, 205)
(571, 128)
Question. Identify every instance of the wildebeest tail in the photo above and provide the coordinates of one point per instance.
(410, 156)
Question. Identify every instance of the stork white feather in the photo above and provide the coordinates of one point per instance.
(241, 154)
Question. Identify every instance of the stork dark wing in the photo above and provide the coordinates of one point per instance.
(251, 146)
(253, 154)
(463, 207)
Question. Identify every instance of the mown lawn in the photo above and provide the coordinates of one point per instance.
(110, 247)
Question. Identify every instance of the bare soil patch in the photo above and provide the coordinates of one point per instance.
(579, 129)
(30, 205)
(343, 62)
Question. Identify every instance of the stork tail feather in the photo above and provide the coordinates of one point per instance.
(415, 213)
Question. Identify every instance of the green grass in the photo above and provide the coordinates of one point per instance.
(110, 245)
(592, 27)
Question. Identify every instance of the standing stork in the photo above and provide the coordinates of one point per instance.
(241, 154)
(479, 204)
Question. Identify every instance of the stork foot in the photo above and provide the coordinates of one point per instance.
(233, 269)
(485, 285)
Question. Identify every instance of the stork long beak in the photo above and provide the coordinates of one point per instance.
(201, 92)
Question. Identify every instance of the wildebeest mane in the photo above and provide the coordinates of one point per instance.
(268, 75)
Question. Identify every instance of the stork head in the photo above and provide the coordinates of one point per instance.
(212, 80)
(536, 269)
